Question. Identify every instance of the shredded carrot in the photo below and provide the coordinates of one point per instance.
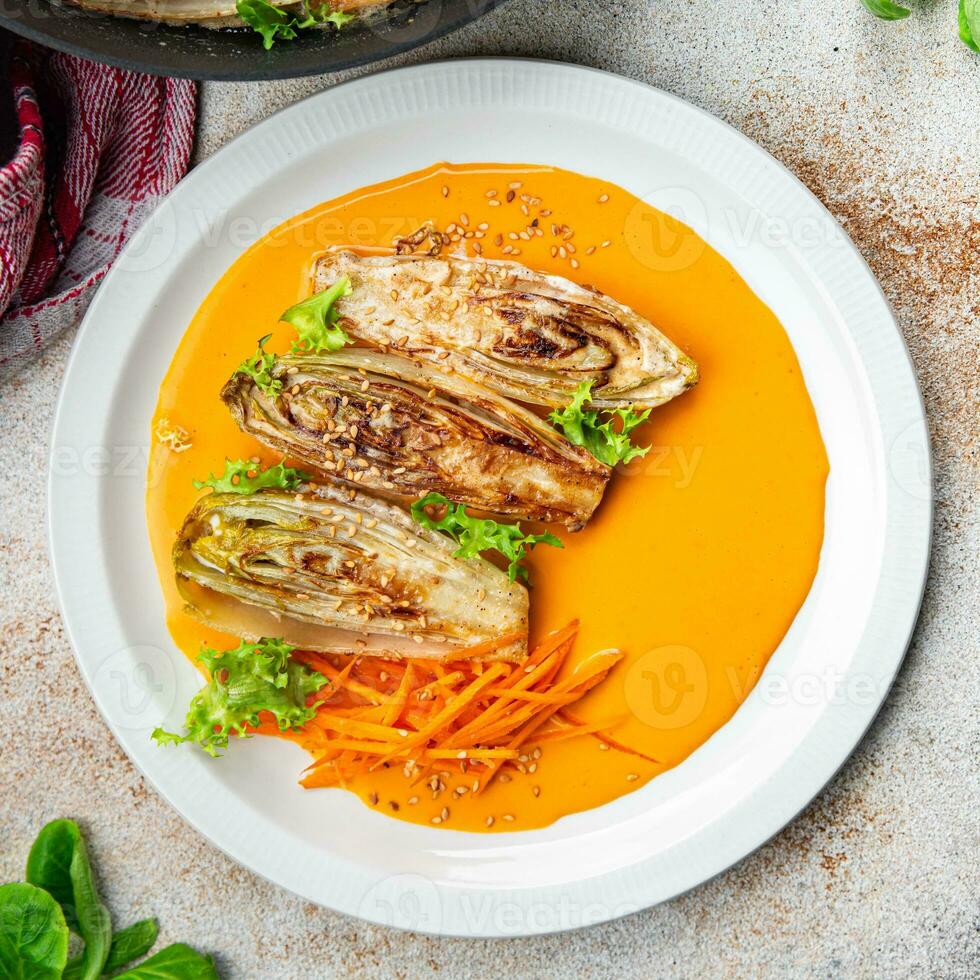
(418, 714)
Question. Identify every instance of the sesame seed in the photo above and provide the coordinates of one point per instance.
(417, 639)
(445, 191)
(606, 244)
(445, 813)
(509, 817)
(590, 250)
(575, 263)
(437, 819)
(515, 185)
(489, 821)
(603, 747)
(373, 799)
(494, 204)
(464, 219)
(536, 790)
(510, 196)
(603, 198)
(387, 484)
(412, 800)
(504, 778)
(631, 777)
(491, 193)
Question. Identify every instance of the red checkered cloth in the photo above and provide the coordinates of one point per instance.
(94, 149)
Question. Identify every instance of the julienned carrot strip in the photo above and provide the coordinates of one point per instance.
(488, 646)
(453, 707)
(471, 731)
(572, 731)
(401, 696)
(470, 754)
(609, 740)
(364, 729)
(596, 669)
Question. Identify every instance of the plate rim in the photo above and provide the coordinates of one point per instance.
(921, 511)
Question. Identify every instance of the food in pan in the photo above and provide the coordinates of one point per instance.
(462, 525)
(274, 20)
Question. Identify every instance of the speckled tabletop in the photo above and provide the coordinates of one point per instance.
(878, 877)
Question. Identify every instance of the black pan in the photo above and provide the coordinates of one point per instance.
(236, 55)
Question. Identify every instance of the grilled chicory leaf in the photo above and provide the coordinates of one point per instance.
(244, 476)
(252, 678)
(315, 320)
(582, 427)
(342, 572)
(523, 334)
(475, 535)
(384, 423)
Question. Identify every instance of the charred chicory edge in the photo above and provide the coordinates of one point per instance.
(386, 424)
(526, 335)
(333, 568)
(252, 678)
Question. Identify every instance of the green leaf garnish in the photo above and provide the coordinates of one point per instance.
(315, 320)
(259, 368)
(475, 535)
(274, 24)
(969, 16)
(251, 678)
(886, 9)
(244, 476)
(178, 961)
(583, 428)
(58, 863)
(33, 934)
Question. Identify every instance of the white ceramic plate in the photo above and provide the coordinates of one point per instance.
(825, 682)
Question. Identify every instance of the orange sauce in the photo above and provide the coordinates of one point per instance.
(701, 553)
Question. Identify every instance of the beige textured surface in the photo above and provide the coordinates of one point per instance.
(878, 877)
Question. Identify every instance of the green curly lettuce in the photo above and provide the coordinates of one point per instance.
(275, 24)
(582, 427)
(476, 535)
(259, 368)
(252, 678)
(315, 320)
(244, 476)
